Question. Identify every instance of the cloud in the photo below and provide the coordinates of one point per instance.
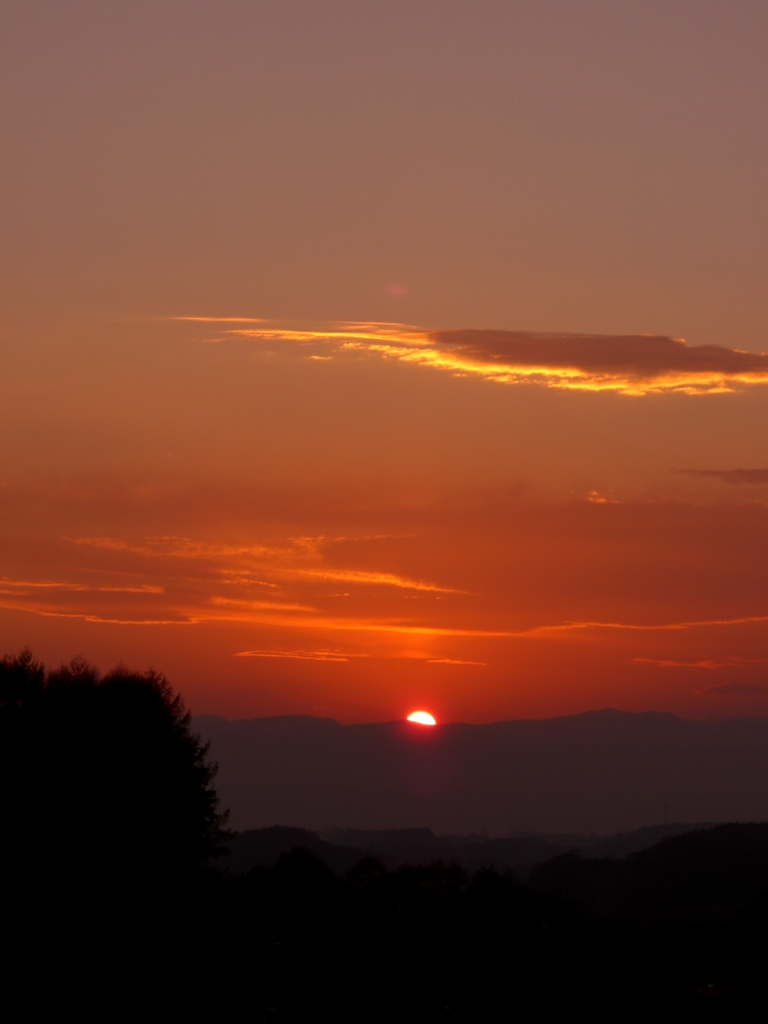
(732, 476)
(669, 663)
(90, 617)
(285, 562)
(453, 661)
(737, 689)
(300, 655)
(631, 364)
(380, 579)
(640, 357)
(258, 606)
(566, 627)
(17, 586)
(706, 663)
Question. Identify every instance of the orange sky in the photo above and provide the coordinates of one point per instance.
(360, 357)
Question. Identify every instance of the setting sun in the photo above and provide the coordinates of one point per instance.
(421, 718)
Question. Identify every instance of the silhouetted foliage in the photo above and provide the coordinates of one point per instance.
(102, 778)
(109, 818)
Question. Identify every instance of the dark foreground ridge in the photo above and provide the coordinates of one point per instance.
(342, 848)
(601, 772)
(679, 926)
(113, 900)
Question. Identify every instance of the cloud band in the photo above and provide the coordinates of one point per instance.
(630, 364)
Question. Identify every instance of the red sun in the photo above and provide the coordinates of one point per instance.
(421, 718)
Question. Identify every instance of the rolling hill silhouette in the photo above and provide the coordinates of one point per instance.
(599, 772)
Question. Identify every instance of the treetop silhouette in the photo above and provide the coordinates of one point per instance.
(102, 777)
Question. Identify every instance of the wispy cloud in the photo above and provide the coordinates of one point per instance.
(430, 592)
(630, 364)
(706, 663)
(453, 661)
(285, 562)
(85, 616)
(300, 655)
(18, 586)
(195, 596)
(566, 627)
(379, 579)
(258, 606)
(320, 623)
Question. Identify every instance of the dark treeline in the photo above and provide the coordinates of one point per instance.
(113, 900)
(101, 774)
(108, 825)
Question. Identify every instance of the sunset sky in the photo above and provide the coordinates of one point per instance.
(367, 356)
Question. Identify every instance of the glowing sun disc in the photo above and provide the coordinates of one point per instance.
(421, 718)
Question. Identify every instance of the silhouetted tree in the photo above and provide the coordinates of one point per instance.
(102, 780)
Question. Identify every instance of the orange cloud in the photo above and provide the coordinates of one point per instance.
(567, 627)
(478, 600)
(299, 655)
(383, 579)
(630, 364)
(452, 661)
(18, 586)
(279, 560)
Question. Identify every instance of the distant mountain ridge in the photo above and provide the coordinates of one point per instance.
(600, 772)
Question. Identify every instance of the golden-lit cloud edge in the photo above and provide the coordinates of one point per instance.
(629, 364)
